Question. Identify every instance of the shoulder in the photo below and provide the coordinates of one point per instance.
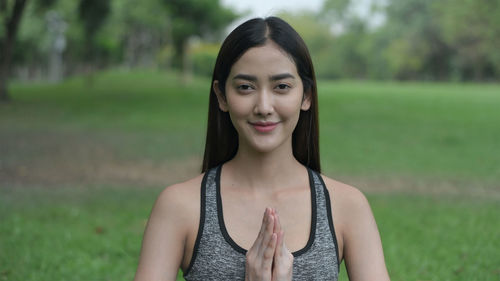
(181, 199)
(349, 206)
(345, 196)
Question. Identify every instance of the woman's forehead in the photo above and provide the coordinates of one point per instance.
(265, 60)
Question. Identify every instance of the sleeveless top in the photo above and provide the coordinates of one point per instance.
(217, 257)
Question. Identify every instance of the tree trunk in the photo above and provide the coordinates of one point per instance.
(186, 64)
(11, 23)
(4, 95)
(181, 58)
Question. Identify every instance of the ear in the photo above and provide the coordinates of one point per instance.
(306, 101)
(220, 97)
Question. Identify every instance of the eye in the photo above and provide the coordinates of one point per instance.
(244, 87)
(282, 87)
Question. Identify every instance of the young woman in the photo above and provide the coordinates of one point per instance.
(261, 210)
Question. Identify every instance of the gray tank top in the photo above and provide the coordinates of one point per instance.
(217, 257)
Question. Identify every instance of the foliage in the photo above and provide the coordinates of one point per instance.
(424, 40)
(92, 14)
(203, 56)
(473, 29)
(137, 33)
(195, 17)
(419, 39)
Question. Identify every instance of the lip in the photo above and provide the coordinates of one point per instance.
(264, 127)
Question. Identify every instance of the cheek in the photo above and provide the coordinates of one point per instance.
(238, 107)
(290, 106)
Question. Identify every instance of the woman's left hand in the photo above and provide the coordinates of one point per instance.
(283, 258)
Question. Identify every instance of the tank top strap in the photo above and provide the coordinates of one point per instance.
(324, 218)
(208, 212)
(211, 197)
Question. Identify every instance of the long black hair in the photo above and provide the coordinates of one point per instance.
(222, 139)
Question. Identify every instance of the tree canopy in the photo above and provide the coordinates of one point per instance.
(417, 40)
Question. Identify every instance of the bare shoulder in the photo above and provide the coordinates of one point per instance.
(345, 196)
(350, 208)
(181, 198)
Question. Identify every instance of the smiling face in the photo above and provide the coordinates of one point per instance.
(264, 96)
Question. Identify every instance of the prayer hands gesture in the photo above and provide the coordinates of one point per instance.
(268, 259)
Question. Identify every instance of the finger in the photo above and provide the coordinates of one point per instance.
(267, 235)
(280, 243)
(268, 253)
(277, 224)
(258, 240)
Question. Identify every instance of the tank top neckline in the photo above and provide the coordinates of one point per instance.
(238, 248)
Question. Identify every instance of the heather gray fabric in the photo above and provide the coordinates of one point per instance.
(217, 257)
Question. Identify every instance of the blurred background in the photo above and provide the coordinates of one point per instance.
(103, 103)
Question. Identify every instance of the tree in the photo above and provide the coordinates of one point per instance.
(136, 32)
(417, 49)
(11, 13)
(473, 29)
(92, 14)
(194, 17)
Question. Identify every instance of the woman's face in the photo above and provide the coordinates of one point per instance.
(264, 96)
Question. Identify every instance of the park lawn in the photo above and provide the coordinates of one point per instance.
(429, 130)
(94, 233)
(426, 154)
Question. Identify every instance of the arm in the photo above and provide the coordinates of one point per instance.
(363, 252)
(164, 238)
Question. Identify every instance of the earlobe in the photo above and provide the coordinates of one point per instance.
(306, 101)
(221, 99)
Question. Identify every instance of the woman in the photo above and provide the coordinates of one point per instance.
(261, 156)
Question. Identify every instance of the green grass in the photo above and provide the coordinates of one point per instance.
(433, 131)
(437, 138)
(72, 233)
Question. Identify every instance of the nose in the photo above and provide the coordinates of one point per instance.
(264, 103)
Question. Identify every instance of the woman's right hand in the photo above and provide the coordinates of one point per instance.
(283, 258)
(259, 258)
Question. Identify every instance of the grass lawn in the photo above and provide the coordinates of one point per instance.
(81, 165)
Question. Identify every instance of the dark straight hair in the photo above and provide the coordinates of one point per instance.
(222, 139)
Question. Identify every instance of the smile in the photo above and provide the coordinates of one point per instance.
(264, 127)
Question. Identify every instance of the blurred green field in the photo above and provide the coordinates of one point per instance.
(81, 165)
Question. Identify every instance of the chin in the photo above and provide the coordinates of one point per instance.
(265, 146)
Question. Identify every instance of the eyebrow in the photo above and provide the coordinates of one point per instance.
(272, 78)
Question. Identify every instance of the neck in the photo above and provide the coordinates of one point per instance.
(258, 170)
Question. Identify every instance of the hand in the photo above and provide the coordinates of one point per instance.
(283, 258)
(259, 258)
(269, 259)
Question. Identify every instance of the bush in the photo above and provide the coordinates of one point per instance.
(203, 56)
